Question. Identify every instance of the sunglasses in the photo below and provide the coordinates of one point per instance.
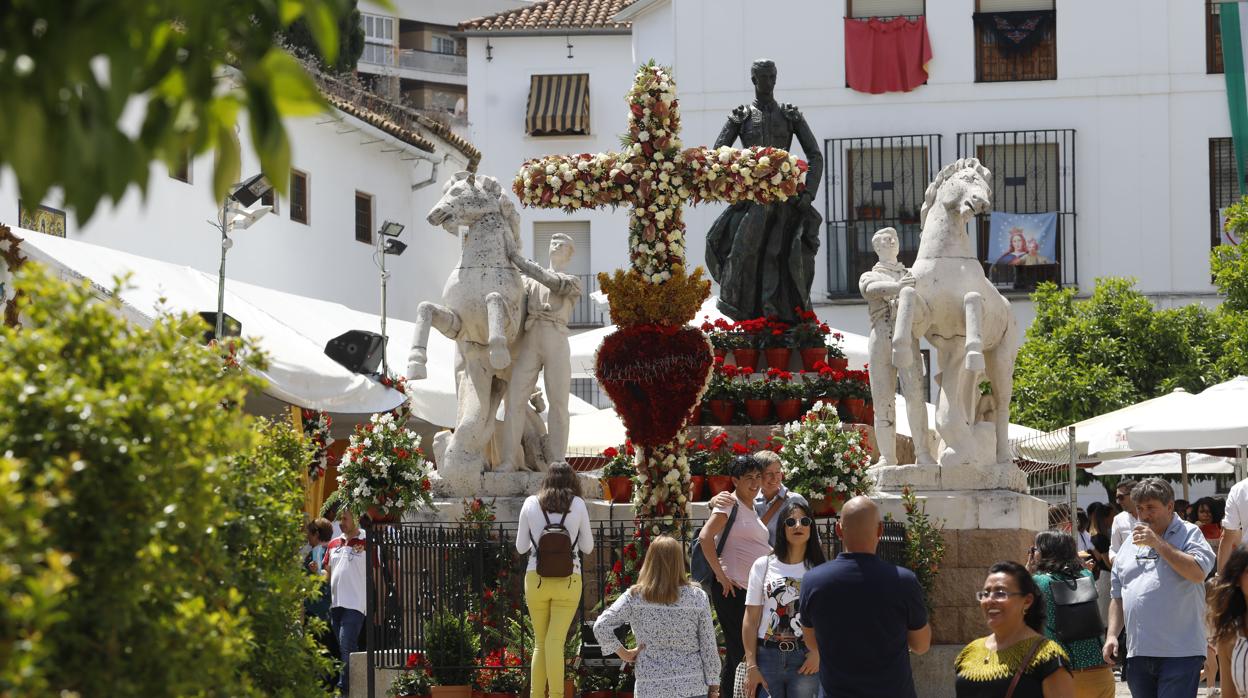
(791, 522)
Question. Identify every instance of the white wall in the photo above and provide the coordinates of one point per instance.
(497, 98)
(320, 260)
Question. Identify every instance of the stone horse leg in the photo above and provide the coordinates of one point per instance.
(1000, 370)
(496, 317)
(952, 422)
(429, 315)
(465, 455)
(913, 317)
(973, 305)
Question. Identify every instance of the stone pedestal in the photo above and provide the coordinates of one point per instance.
(981, 526)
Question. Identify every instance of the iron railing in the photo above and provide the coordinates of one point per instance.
(433, 61)
(473, 571)
(586, 313)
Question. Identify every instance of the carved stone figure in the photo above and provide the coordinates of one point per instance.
(482, 311)
(543, 347)
(964, 317)
(763, 255)
(881, 287)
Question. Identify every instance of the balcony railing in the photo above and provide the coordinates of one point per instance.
(586, 312)
(433, 62)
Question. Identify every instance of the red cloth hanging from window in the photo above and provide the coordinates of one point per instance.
(886, 56)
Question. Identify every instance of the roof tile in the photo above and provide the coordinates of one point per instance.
(553, 14)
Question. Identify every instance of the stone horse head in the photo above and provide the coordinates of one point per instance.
(961, 189)
(467, 197)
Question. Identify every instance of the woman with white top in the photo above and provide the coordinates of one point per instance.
(1228, 620)
(775, 655)
(552, 601)
(676, 655)
(747, 540)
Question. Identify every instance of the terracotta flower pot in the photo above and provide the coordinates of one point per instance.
(621, 489)
(826, 506)
(746, 357)
(788, 410)
(722, 410)
(759, 411)
(868, 413)
(696, 483)
(450, 691)
(695, 415)
(811, 355)
(778, 357)
(854, 406)
(493, 694)
(717, 484)
(839, 364)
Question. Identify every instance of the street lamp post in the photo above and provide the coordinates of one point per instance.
(234, 213)
(387, 244)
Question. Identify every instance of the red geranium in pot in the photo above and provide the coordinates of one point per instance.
(414, 681)
(786, 394)
(757, 394)
(722, 394)
(617, 475)
(836, 354)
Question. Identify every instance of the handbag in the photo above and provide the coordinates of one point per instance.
(738, 680)
(1077, 616)
(699, 569)
(1018, 675)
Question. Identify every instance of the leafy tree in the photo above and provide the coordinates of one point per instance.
(350, 39)
(130, 429)
(69, 68)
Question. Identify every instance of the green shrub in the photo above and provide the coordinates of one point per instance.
(451, 647)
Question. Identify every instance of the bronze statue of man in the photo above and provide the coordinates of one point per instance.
(763, 255)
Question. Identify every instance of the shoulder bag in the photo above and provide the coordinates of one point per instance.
(699, 569)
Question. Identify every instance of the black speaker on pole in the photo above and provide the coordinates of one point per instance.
(230, 328)
(358, 350)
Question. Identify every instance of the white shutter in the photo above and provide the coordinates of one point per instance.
(1014, 5)
(885, 8)
(577, 230)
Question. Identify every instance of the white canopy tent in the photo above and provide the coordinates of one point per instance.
(292, 330)
(1214, 418)
(1165, 464)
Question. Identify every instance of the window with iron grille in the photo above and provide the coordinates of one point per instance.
(873, 183)
(299, 195)
(1223, 185)
(1033, 172)
(363, 217)
(1015, 40)
(1213, 36)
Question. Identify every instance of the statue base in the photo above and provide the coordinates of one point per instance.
(932, 477)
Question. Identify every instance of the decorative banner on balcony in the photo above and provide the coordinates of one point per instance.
(1016, 32)
(886, 56)
(1233, 16)
(1022, 239)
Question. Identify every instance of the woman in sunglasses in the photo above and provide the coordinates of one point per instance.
(1015, 652)
(772, 632)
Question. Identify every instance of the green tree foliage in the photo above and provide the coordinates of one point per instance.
(68, 70)
(151, 530)
(350, 39)
(263, 532)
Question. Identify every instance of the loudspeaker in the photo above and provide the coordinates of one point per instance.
(229, 328)
(359, 351)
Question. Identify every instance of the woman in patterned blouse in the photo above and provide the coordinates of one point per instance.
(1056, 561)
(676, 654)
(1014, 609)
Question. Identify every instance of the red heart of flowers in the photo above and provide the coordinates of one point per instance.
(655, 376)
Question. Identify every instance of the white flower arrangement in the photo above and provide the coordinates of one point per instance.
(383, 468)
(823, 459)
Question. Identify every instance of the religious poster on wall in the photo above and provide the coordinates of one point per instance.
(43, 219)
(1022, 239)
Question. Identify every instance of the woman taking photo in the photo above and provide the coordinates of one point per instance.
(1057, 563)
(1015, 652)
(775, 655)
(556, 510)
(676, 655)
(747, 540)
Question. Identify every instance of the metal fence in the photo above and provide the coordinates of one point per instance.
(587, 313)
(472, 571)
(1051, 461)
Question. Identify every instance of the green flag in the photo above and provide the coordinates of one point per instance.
(1233, 17)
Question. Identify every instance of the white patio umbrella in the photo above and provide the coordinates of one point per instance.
(1166, 464)
(1215, 418)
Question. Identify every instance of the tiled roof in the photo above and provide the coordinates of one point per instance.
(552, 15)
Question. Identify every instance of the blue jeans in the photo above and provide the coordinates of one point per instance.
(346, 624)
(1164, 677)
(779, 670)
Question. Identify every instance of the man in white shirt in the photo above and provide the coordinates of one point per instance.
(1125, 521)
(1233, 522)
(346, 567)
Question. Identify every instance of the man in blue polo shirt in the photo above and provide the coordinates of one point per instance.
(862, 615)
(1158, 585)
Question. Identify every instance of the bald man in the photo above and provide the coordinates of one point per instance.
(860, 614)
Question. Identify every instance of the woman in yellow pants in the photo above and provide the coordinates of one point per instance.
(556, 510)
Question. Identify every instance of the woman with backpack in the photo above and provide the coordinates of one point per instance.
(775, 654)
(1072, 618)
(553, 529)
(676, 654)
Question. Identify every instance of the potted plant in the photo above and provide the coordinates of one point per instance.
(721, 394)
(786, 394)
(383, 472)
(413, 681)
(836, 355)
(717, 478)
(451, 646)
(503, 674)
(618, 473)
(597, 683)
(749, 337)
(856, 390)
(699, 455)
(810, 336)
(823, 461)
(624, 688)
(777, 343)
(869, 210)
(757, 394)
(723, 335)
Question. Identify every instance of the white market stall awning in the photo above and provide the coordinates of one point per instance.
(1165, 464)
(1214, 418)
(1104, 436)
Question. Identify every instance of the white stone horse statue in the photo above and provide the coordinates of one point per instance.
(482, 310)
(964, 317)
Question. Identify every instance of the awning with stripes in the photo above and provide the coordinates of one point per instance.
(558, 104)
